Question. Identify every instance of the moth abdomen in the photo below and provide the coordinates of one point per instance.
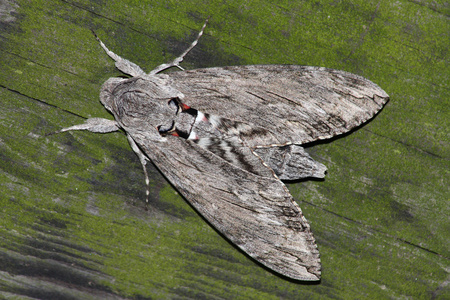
(233, 151)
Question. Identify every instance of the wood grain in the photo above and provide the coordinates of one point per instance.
(72, 218)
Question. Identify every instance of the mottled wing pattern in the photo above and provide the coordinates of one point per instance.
(298, 104)
(256, 212)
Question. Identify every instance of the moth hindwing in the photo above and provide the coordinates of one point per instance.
(226, 137)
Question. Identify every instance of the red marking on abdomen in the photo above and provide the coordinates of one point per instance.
(184, 106)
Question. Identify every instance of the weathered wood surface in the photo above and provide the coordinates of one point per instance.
(72, 218)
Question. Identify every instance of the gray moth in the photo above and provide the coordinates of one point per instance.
(226, 138)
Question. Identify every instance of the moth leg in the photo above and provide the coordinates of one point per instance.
(176, 62)
(143, 160)
(97, 125)
(291, 162)
(122, 64)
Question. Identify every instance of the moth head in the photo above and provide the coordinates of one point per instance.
(107, 92)
(145, 104)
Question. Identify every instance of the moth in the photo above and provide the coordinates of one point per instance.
(226, 137)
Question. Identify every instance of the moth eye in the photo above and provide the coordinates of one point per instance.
(174, 104)
(166, 129)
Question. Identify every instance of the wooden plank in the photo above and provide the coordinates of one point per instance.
(72, 222)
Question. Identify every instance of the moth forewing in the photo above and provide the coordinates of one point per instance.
(297, 104)
(255, 212)
(225, 136)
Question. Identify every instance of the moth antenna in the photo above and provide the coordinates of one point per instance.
(122, 64)
(176, 62)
